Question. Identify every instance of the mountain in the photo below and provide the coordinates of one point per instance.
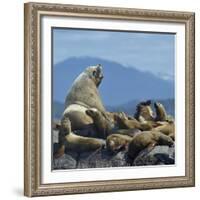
(120, 84)
(128, 108)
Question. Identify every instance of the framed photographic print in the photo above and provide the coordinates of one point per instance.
(109, 99)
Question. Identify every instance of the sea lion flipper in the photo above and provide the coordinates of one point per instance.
(59, 152)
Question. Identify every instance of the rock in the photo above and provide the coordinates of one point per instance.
(64, 162)
(120, 159)
(55, 136)
(160, 155)
(101, 159)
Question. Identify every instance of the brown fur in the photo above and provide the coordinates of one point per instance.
(167, 129)
(146, 139)
(103, 123)
(124, 123)
(161, 114)
(144, 110)
(116, 142)
(130, 132)
(70, 141)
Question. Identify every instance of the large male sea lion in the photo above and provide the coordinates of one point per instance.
(72, 142)
(82, 96)
(147, 139)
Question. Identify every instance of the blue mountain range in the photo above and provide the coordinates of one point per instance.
(121, 84)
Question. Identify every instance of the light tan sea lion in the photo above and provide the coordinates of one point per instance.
(167, 129)
(84, 89)
(147, 139)
(72, 142)
(161, 114)
(82, 96)
(126, 123)
(120, 139)
(116, 142)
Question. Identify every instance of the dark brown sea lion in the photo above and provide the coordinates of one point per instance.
(147, 139)
(103, 123)
(144, 111)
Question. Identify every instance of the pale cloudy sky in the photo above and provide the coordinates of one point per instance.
(145, 51)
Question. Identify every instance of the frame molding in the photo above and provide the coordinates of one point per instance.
(32, 102)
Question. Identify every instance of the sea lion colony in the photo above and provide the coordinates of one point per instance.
(85, 111)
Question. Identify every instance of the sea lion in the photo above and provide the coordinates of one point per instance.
(147, 139)
(167, 129)
(84, 89)
(105, 123)
(124, 122)
(130, 132)
(72, 142)
(102, 122)
(161, 114)
(84, 95)
(116, 142)
(144, 111)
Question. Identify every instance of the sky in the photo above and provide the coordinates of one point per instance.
(153, 52)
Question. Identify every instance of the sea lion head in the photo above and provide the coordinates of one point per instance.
(114, 144)
(95, 73)
(66, 125)
(161, 114)
(144, 110)
(165, 140)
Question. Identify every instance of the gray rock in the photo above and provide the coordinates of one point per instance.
(160, 155)
(64, 162)
(102, 159)
(55, 136)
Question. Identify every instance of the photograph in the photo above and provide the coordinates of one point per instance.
(109, 102)
(113, 98)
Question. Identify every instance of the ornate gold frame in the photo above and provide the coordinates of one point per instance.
(32, 89)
